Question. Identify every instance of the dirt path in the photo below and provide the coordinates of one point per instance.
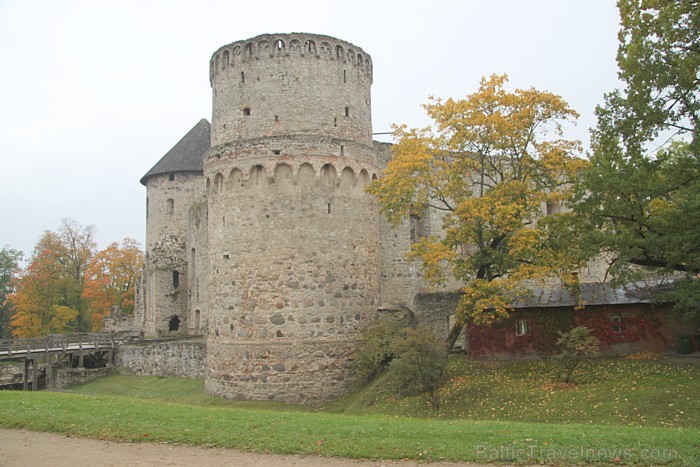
(20, 448)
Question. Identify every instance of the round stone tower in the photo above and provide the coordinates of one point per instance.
(293, 237)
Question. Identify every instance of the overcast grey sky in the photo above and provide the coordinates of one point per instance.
(93, 93)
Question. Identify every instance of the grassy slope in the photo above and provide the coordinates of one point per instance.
(609, 391)
(594, 421)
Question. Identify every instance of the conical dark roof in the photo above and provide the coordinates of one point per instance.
(187, 155)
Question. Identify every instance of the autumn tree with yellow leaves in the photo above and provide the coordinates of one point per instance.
(46, 299)
(493, 162)
(110, 279)
(69, 286)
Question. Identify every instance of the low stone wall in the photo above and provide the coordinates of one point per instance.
(183, 358)
(11, 374)
(433, 310)
(63, 377)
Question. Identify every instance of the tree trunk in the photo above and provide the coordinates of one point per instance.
(435, 399)
(453, 336)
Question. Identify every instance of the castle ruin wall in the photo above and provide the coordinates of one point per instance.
(181, 358)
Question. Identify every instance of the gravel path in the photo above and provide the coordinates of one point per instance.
(20, 448)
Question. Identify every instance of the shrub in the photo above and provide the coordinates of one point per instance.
(574, 345)
(422, 363)
(373, 352)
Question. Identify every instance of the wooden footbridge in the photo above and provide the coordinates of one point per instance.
(54, 347)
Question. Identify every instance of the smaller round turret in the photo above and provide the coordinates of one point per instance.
(173, 186)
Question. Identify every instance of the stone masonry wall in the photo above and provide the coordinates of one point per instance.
(170, 198)
(294, 371)
(400, 278)
(294, 264)
(63, 377)
(293, 237)
(291, 84)
(434, 310)
(170, 219)
(198, 270)
(183, 358)
(11, 373)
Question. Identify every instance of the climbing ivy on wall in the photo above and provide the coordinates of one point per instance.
(547, 326)
(630, 328)
(543, 326)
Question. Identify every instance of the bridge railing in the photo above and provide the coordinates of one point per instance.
(56, 343)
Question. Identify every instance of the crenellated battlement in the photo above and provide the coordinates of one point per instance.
(347, 176)
(291, 85)
(292, 45)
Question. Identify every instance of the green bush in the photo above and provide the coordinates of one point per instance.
(373, 352)
(422, 363)
(574, 345)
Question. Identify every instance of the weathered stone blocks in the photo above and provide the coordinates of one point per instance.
(293, 237)
(259, 232)
(292, 371)
(183, 358)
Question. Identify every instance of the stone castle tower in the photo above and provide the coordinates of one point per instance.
(260, 235)
(259, 232)
(294, 240)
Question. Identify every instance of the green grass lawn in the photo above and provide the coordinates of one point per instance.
(621, 411)
(607, 391)
(174, 390)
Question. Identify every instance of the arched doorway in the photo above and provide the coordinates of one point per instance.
(174, 323)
